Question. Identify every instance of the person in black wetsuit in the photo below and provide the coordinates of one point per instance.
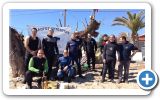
(32, 43)
(109, 58)
(80, 44)
(90, 46)
(49, 44)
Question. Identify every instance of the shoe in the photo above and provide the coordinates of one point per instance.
(81, 76)
(28, 87)
(24, 81)
(119, 81)
(69, 80)
(102, 80)
(126, 81)
(40, 86)
(112, 81)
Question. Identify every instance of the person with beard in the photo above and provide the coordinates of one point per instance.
(38, 66)
(109, 58)
(125, 49)
(104, 42)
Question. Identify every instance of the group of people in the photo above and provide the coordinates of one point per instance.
(123, 50)
(42, 56)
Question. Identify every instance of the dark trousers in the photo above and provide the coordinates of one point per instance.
(91, 58)
(75, 59)
(29, 75)
(51, 62)
(79, 55)
(125, 65)
(110, 65)
(27, 59)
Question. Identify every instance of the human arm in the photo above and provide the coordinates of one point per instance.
(31, 66)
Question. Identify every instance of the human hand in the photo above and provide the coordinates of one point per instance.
(104, 60)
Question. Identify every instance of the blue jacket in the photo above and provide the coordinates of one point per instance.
(64, 61)
(73, 47)
(125, 50)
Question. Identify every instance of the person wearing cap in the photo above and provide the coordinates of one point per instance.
(90, 46)
(65, 68)
(109, 58)
(72, 47)
(125, 49)
(49, 45)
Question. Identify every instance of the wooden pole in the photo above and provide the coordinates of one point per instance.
(65, 17)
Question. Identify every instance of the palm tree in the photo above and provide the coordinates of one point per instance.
(134, 22)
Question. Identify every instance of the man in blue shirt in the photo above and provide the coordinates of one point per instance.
(125, 49)
(65, 68)
(73, 47)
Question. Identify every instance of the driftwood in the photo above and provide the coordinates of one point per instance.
(91, 29)
(16, 53)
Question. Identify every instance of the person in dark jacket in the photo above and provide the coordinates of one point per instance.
(102, 45)
(72, 48)
(80, 43)
(49, 44)
(65, 68)
(90, 46)
(38, 66)
(125, 49)
(109, 58)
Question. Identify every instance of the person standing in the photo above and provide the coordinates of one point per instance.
(109, 58)
(49, 45)
(72, 47)
(32, 43)
(102, 45)
(125, 49)
(104, 42)
(80, 43)
(90, 48)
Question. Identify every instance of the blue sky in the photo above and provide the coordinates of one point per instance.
(19, 19)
